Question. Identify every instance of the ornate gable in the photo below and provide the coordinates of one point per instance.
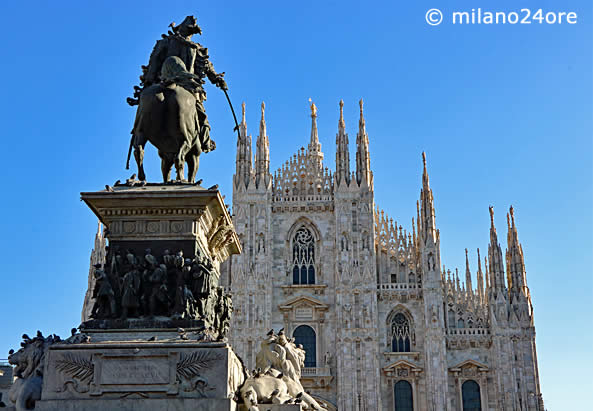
(469, 369)
(402, 368)
(469, 364)
(304, 308)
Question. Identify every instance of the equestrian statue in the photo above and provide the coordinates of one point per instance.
(170, 102)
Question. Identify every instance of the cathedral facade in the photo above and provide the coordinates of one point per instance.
(384, 324)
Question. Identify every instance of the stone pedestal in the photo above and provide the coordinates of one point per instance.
(164, 216)
(141, 375)
(136, 360)
(167, 219)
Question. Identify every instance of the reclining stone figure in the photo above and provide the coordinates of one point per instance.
(276, 379)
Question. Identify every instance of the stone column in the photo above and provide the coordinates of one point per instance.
(483, 389)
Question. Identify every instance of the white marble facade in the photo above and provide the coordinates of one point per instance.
(392, 329)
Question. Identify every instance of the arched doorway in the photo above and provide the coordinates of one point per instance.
(470, 391)
(402, 393)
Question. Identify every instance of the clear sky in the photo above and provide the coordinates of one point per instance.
(504, 113)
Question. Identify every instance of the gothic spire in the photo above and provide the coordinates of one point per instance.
(314, 144)
(480, 276)
(426, 222)
(514, 256)
(487, 275)
(243, 162)
(363, 159)
(342, 150)
(495, 259)
(468, 275)
(262, 154)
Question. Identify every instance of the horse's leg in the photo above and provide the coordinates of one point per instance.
(180, 160)
(139, 143)
(166, 164)
(193, 163)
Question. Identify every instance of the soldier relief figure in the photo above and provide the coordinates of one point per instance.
(172, 287)
(170, 100)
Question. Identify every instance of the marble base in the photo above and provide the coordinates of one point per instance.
(141, 323)
(273, 407)
(139, 404)
(133, 373)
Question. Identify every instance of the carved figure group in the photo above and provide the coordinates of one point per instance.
(173, 286)
(277, 377)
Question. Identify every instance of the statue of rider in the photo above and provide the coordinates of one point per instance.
(178, 43)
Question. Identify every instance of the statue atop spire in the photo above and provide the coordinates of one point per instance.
(313, 108)
(314, 145)
(243, 113)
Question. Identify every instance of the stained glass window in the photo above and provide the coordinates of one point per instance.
(400, 331)
(303, 257)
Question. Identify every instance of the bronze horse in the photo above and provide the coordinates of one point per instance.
(167, 116)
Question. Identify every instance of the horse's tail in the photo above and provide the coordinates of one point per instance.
(130, 152)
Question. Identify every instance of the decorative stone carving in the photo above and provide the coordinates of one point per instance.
(220, 234)
(29, 367)
(277, 377)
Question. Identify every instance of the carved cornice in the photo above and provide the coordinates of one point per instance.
(390, 356)
(150, 211)
(295, 207)
(316, 289)
(464, 342)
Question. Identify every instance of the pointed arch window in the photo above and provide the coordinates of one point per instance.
(470, 391)
(402, 392)
(451, 319)
(305, 335)
(401, 335)
(303, 257)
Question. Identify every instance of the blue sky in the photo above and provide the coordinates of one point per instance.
(503, 112)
